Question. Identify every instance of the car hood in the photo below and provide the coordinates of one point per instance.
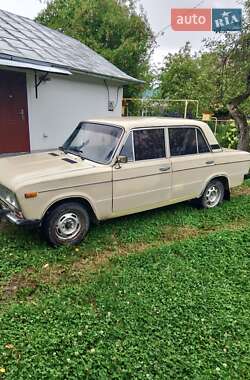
(37, 167)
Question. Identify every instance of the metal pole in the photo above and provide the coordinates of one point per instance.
(142, 112)
(186, 108)
(197, 109)
(216, 125)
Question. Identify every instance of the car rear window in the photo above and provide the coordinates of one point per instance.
(182, 141)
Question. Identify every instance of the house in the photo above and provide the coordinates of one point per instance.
(48, 83)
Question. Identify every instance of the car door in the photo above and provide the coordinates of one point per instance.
(192, 161)
(144, 182)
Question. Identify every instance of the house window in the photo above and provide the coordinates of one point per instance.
(182, 141)
(149, 144)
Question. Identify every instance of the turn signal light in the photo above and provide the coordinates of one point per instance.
(31, 195)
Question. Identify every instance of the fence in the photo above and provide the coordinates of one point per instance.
(187, 108)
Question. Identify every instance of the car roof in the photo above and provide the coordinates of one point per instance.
(129, 123)
(141, 122)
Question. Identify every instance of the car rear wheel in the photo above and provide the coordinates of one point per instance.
(66, 224)
(213, 194)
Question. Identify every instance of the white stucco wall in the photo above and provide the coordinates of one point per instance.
(64, 101)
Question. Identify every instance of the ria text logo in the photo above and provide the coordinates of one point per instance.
(206, 19)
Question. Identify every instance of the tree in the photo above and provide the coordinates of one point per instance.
(178, 76)
(113, 28)
(190, 76)
(233, 61)
(218, 77)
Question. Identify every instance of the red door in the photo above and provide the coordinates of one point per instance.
(14, 127)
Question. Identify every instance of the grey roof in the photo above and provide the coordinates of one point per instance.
(25, 40)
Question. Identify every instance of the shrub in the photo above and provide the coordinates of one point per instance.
(227, 135)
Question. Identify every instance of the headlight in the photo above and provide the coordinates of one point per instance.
(9, 197)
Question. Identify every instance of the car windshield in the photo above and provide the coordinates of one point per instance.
(94, 142)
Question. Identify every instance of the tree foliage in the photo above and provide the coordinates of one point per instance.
(185, 76)
(219, 77)
(233, 59)
(113, 28)
(179, 68)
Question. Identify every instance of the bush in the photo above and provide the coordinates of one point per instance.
(227, 135)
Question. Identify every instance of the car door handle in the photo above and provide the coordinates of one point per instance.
(210, 163)
(164, 168)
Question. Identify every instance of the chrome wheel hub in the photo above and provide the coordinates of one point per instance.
(213, 195)
(68, 226)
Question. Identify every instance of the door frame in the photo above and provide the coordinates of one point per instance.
(26, 108)
(155, 161)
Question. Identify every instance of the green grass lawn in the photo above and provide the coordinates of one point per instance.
(158, 295)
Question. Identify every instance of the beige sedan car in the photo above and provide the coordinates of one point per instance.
(113, 167)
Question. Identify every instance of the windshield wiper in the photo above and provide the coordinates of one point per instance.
(72, 151)
(78, 155)
(63, 149)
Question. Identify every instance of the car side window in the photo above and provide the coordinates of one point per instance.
(182, 141)
(127, 149)
(149, 144)
(202, 144)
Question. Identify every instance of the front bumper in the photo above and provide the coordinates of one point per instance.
(13, 217)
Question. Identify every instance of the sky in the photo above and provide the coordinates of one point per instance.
(158, 13)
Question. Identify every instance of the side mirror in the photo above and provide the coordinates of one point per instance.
(122, 159)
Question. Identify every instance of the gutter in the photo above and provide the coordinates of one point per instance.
(9, 61)
(110, 77)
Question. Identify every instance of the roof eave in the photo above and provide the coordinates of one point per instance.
(124, 81)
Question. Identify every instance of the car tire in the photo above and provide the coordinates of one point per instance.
(213, 195)
(66, 224)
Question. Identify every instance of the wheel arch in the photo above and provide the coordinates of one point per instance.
(83, 201)
(225, 180)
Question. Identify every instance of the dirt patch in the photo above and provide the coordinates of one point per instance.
(19, 282)
(81, 270)
(173, 233)
(242, 190)
(51, 274)
(29, 280)
(237, 225)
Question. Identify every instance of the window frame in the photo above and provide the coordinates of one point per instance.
(167, 154)
(125, 142)
(196, 135)
(75, 131)
(205, 139)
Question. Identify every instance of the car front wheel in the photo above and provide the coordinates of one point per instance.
(213, 194)
(66, 224)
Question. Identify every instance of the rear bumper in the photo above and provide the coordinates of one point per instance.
(13, 218)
